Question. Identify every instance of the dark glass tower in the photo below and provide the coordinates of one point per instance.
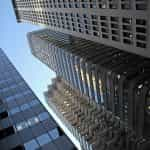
(104, 74)
(24, 123)
(123, 24)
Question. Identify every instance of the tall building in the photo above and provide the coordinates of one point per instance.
(24, 123)
(93, 126)
(104, 74)
(123, 24)
(90, 124)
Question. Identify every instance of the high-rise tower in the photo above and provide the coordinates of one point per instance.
(24, 123)
(90, 124)
(73, 48)
(122, 24)
(104, 74)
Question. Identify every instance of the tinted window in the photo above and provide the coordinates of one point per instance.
(24, 107)
(33, 121)
(14, 110)
(31, 145)
(34, 103)
(21, 126)
(43, 116)
(54, 133)
(43, 139)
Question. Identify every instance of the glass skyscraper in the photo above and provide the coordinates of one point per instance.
(24, 123)
(92, 125)
(105, 74)
(87, 43)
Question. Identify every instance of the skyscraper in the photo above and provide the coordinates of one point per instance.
(93, 126)
(104, 74)
(73, 48)
(24, 123)
(122, 24)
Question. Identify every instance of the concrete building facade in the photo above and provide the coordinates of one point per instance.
(123, 24)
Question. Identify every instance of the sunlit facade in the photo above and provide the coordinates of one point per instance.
(91, 125)
(103, 74)
(24, 122)
(66, 63)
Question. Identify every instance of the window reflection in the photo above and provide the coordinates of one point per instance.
(21, 126)
(43, 116)
(34, 103)
(31, 145)
(24, 107)
(43, 139)
(33, 121)
(54, 133)
(14, 110)
(25, 124)
(100, 88)
(88, 79)
(94, 82)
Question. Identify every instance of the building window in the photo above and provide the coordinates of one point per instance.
(31, 145)
(34, 103)
(100, 90)
(43, 139)
(88, 79)
(3, 115)
(33, 121)
(24, 107)
(94, 82)
(10, 98)
(14, 110)
(21, 126)
(82, 75)
(43, 116)
(94, 86)
(54, 133)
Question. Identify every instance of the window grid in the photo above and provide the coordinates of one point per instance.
(96, 4)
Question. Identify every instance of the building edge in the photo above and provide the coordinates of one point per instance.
(15, 11)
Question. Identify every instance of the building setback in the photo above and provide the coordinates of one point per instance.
(122, 24)
(24, 123)
(93, 126)
(104, 74)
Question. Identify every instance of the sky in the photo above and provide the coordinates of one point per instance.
(14, 43)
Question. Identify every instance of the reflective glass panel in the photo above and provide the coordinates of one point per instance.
(31, 145)
(24, 107)
(43, 139)
(14, 110)
(43, 116)
(54, 133)
(34, 103)
(33, 121)
(21, 126)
